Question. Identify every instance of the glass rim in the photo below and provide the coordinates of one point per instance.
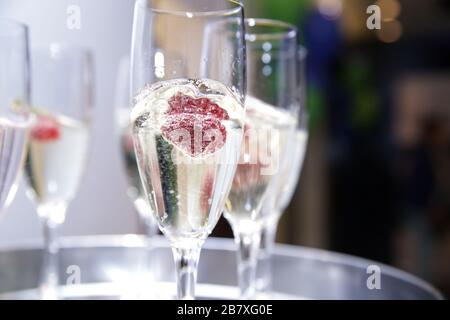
(237, 8)
(288, 30)
(16, 25)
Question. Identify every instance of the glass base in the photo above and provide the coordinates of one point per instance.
(118, 291)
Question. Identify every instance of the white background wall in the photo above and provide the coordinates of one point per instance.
(101, 206)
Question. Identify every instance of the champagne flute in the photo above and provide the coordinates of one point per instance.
(187, 117)
(62, 101)
(14, 110)
(271, 106)
(287, 179)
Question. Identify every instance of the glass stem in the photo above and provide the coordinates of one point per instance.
(186, 262)
(151, 229)
(49, 280)
(264, 272)
(247, 254)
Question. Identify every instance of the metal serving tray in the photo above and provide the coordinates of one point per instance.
(115, 267)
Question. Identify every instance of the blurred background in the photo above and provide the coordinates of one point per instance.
(376, 180)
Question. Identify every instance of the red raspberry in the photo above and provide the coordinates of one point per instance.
(194, 125)
(195, 134)
(181, 103)
(46, 129)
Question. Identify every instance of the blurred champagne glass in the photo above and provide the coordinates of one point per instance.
(271, 118)
(286, 182)
(62, 102)
(135, 189)
(14, 106)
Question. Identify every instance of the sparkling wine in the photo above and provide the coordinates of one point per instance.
(187, 136)
(291, 167)
(13, 138)
(267, 130)
(56, 159)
